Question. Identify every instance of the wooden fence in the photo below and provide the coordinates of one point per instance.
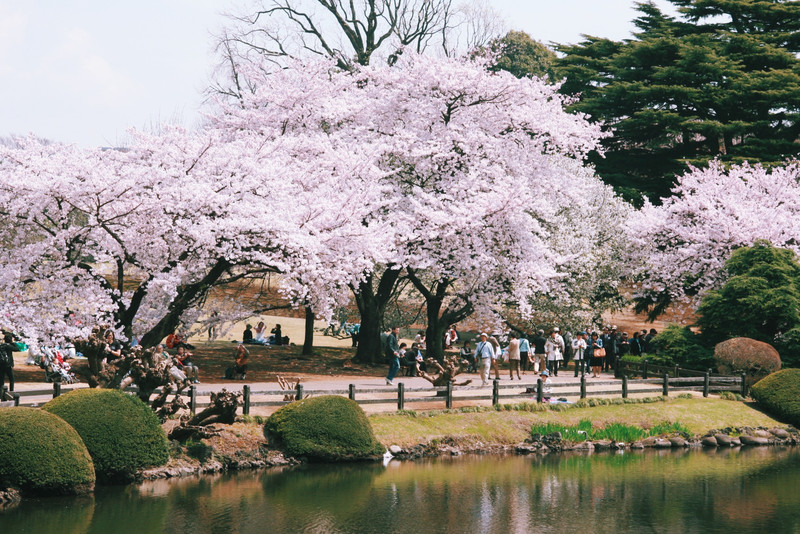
(446, 396)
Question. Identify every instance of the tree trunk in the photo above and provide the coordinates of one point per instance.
(308, 341)
(371, 306)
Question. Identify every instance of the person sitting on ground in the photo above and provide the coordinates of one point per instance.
(240, 368)
(467, 355)
(419, 339)
(247, 337)
(277, 336)
(260, 332)
(547, 386)
(184, 358)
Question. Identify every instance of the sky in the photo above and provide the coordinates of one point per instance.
(84, 71)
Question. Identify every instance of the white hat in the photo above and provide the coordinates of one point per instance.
(484, 334)
(556, 329)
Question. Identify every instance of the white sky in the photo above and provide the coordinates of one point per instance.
(84, 71)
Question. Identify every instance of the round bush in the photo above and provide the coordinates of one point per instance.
(777, 394)
(745, 355)
(324, 428)
(122, 434)
(40, 454)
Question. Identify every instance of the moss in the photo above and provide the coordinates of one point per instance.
(777, 394)
(41, 454)
(326, 428)
(121, 433)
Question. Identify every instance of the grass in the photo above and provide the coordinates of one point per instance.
(513, 426)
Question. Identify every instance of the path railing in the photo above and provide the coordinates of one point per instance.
(447, 396)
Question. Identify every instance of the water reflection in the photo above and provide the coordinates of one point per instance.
(750, 490)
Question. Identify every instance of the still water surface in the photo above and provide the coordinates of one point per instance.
(731, 491)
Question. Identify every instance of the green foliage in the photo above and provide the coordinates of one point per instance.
(42, 455)
(683, 92)
(122, 433)
(678, 345)
(326, 428)
(730, 395)
(199, 451)
(523, 56)
(619, 432)
(760, 299)
(777, 394)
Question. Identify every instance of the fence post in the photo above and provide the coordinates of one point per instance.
(246, 399)
(705, 384)
(617, 366)
(665, 388)
(299, 394)
(744, 384)
(449, 401)
(644, 369)
(192, 399)
(352, 392)
(624, 386)
(401, 396)
(539, 390)
(583, 386)
(16, 399)
(677, 371)
(56, 389)
(495, 392)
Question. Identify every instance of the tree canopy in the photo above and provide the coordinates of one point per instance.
(720, 81)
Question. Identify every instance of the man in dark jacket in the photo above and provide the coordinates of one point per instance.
(7, 350)
(393, 354)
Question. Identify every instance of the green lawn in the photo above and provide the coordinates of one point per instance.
(511, 427)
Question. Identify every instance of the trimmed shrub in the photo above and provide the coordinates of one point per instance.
(40, 454)
(326, 428)
(122, 434)
(745, 355)
(777, 394)
(678, 345)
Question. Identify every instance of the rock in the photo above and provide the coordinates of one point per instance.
(619, 445)
(723, 439)
(662, 443)
(709, 441)
(678, 442)
(584, 446)
(536, 438)
(753, 440)
(779, 433)
(736, 442)
(649, 442)
(637, 445)
(762, 434)
(602, 444)
(525, 449)
(395, 449)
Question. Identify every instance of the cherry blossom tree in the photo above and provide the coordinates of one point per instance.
(472, 167)
(682, 245)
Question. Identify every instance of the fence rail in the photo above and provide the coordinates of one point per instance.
(447, 395)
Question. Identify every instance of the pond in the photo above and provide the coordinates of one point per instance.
(747, 490)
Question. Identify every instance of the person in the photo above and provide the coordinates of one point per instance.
(647, 344)
(597, 360)
(260, 331)
(419, 339)
(247, 336)
(539, 355)
(513, 356)
(113, 348)
(547, 386)
(277, 335)
(578, 350)
(240, 361)
(496, 356)
(624, 345)
(636, 344)
(467, 355)
(184, 359)
(7, 350)
(393, 354)
(524, 348)
(450, 337)
(554, 347)
(173, 340)
(484, 353)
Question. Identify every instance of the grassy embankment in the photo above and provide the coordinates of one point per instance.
(511, 427)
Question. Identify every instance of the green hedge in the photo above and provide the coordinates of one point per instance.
(777, 394)
(40, 454)
(122, 434)
(326, 428)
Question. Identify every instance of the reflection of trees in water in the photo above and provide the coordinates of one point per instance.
(688, 491)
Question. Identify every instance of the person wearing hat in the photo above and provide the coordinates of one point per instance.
(547, 384)
(484, 353)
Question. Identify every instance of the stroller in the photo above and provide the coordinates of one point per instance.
(55, 368)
